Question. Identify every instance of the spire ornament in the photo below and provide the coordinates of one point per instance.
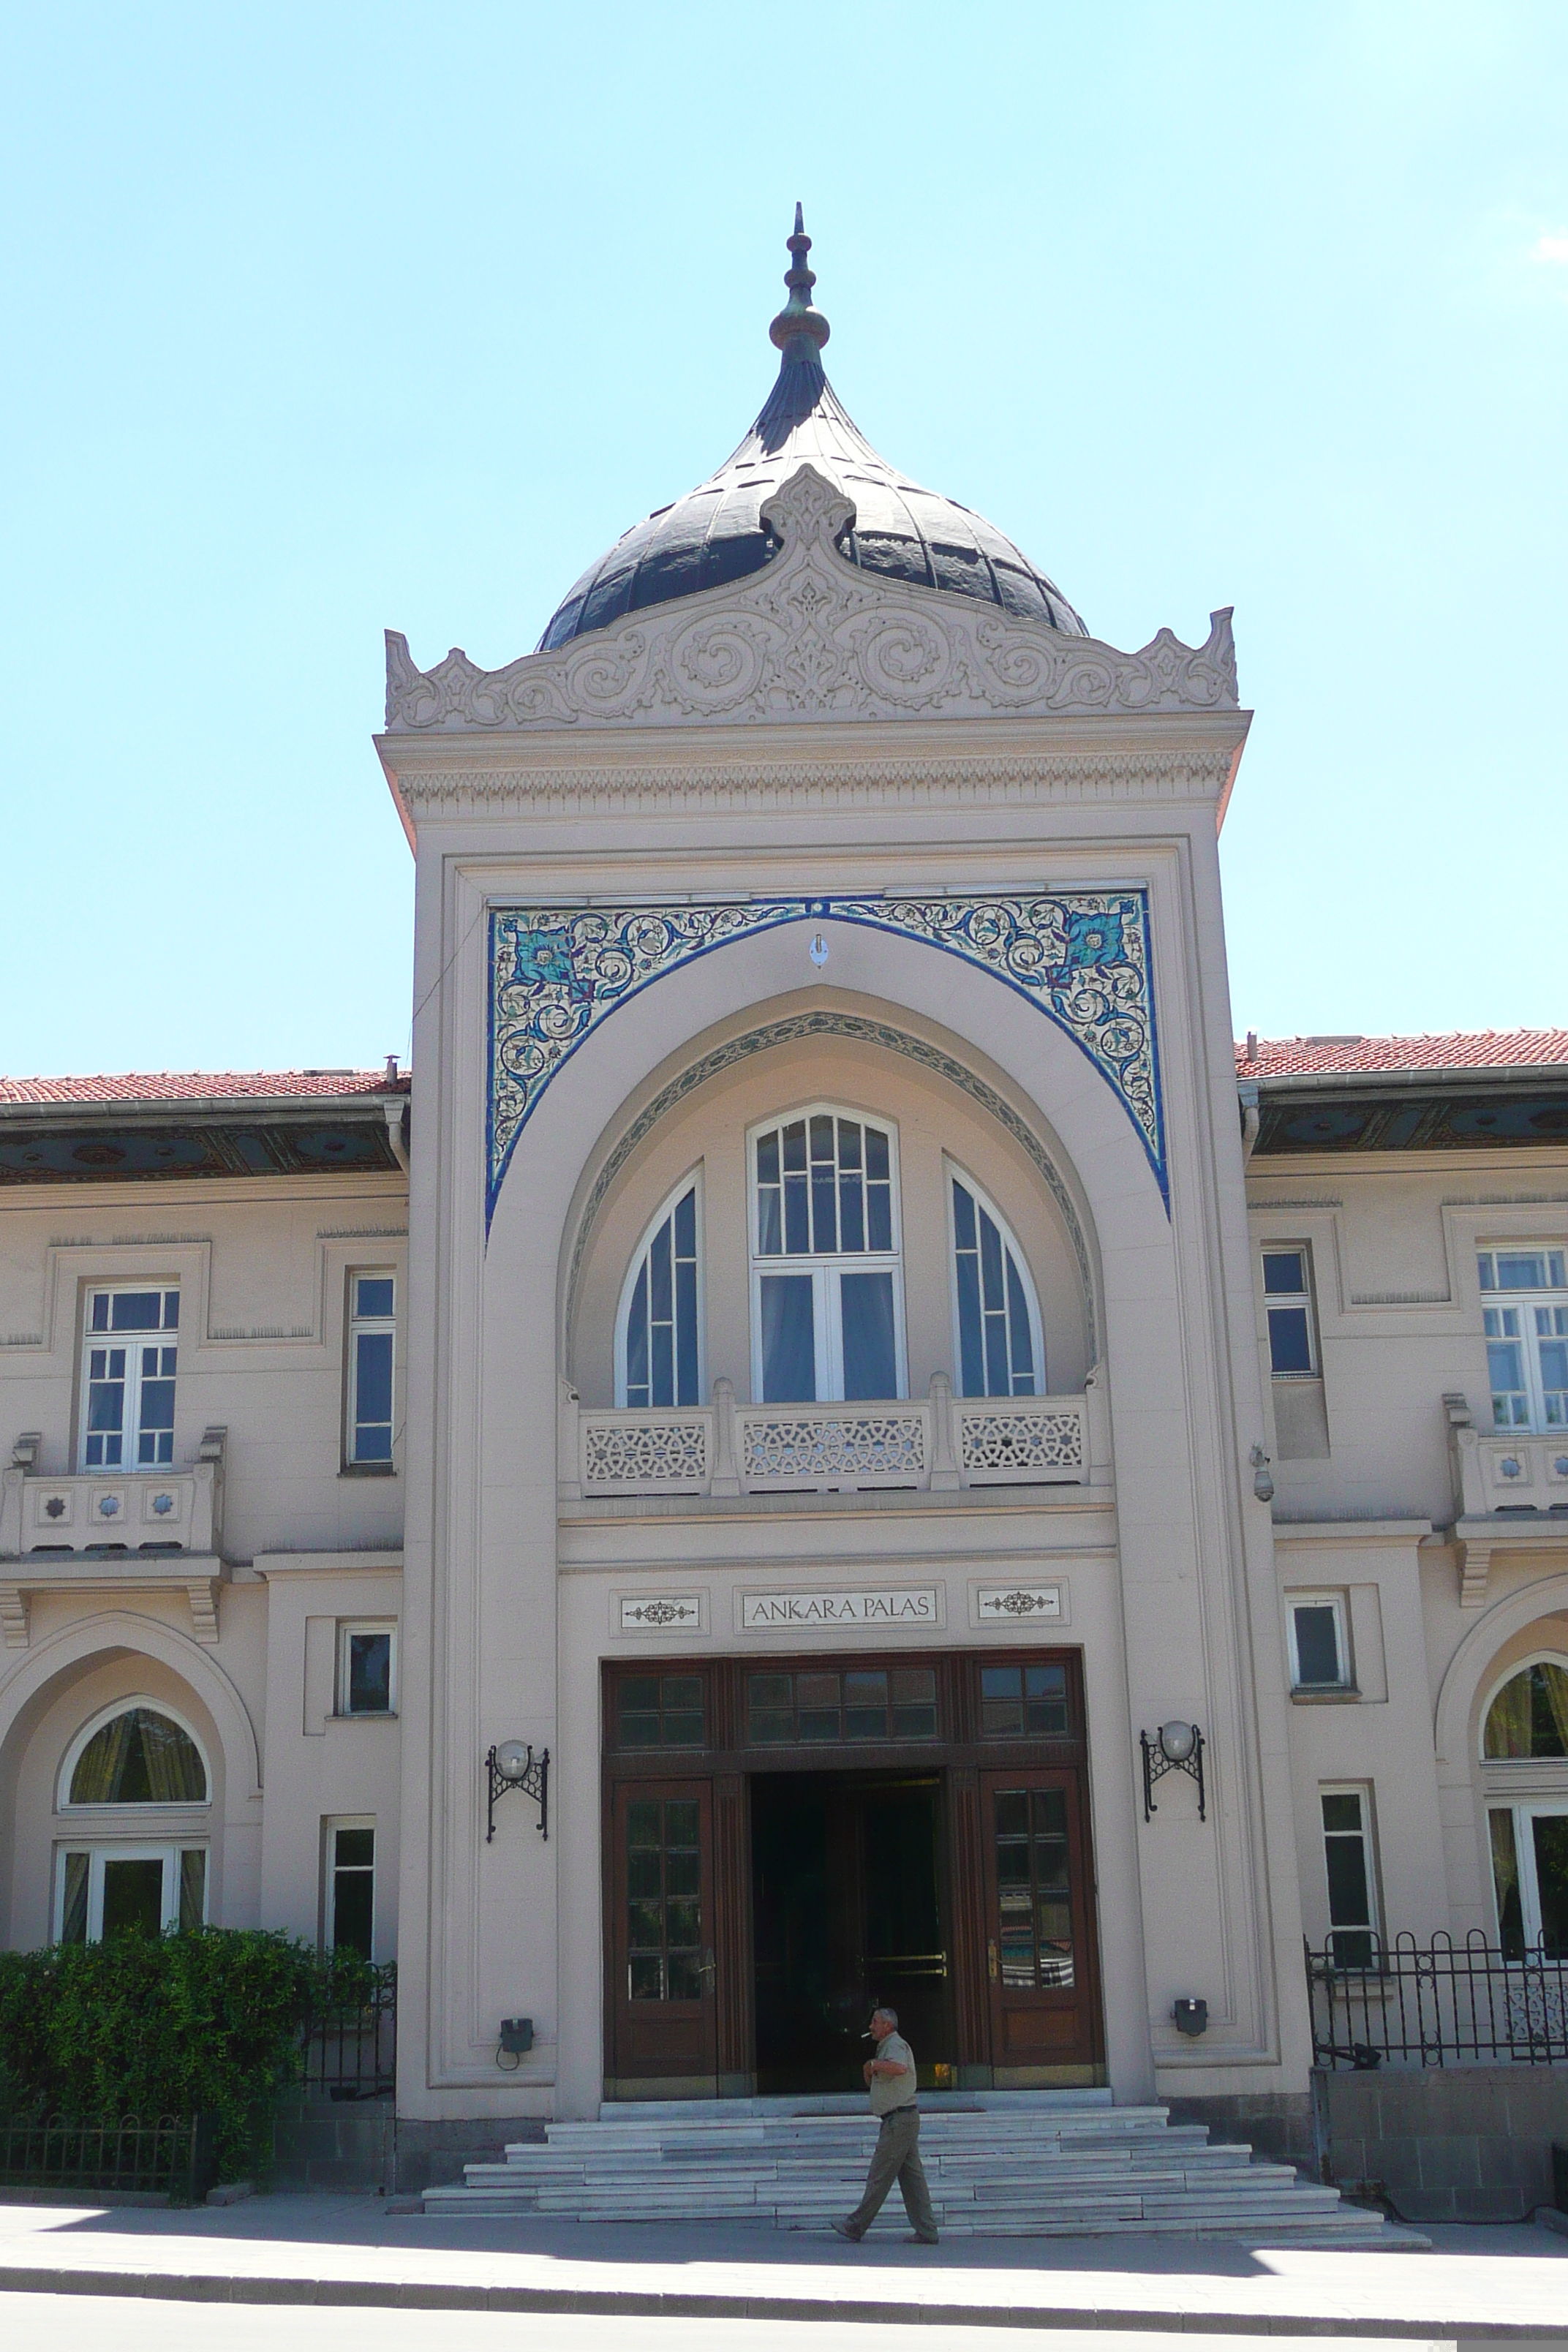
(799, 331)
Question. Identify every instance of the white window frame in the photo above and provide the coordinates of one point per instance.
(691, 1181)
(184, 1805)
(1510, 1673)
(1306, 1297)
(1373, 1927)
(1549, 1301)
(330, 1826)
(951, 1170)
(1335, 1602)
(355, 1325)
(347, 1628)
(165, 1339)
(128, 1850)
(827, 1321)
(1527, 1810)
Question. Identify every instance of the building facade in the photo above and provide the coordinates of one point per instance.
(837, 1350)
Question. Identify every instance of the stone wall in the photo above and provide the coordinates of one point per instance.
(1444, 2143)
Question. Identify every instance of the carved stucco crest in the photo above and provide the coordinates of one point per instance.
(1082, 959)
(811, 636)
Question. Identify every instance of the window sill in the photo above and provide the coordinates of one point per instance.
(1324, 1695)
(368, 1470)
(367, 1715)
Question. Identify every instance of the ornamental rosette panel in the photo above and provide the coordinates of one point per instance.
(1010, 1441)
(645, 1455)
(1080, 959)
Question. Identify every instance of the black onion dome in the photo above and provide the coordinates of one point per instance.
(716, 534)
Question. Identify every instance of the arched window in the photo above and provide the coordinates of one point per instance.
(827, 1284)
(1528, 1719)
(658, 1331)
(999, 1344)
(137, 1755)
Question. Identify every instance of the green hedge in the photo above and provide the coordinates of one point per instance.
(205, 2021)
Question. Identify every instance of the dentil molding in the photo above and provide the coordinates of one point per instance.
(811, 636)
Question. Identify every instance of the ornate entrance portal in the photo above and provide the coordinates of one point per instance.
(789, 1840)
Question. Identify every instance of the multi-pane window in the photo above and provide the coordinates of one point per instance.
(835, 1704)
(1024, 1702)
(824, 1207)
(999, 1352)
(1287, 1301)
(110, 1890)
(1320, 1653)
(351, 1887)
(1347, 1860)
(1034, 1889)
(372, 1299)
(660, 1711)
(664, 1899)
(1527, 1339)
(658, 1342)
(364, 1670)
(1529, 1877)
(129, 1352)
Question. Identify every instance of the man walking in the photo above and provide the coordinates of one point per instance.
(891, 2079)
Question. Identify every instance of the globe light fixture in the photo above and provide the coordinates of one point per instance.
(1176, 1746)
(512, 1764)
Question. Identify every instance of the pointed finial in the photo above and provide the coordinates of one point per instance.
(799, 331)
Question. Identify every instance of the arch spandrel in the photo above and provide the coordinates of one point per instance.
(1082, 961)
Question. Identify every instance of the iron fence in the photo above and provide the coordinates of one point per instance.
(1440, 2003)
(350, 2035)
(173, 2155)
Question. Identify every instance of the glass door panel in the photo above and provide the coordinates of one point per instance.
(1042, 2008)
(663, 2003)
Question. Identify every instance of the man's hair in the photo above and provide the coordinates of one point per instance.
(890, 2014)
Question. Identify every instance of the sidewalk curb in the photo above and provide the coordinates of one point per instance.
(214, 2287)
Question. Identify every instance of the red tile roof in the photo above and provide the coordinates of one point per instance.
(1487, 1049)
(201, 1086)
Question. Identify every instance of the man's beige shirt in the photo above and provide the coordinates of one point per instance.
(891, 2091)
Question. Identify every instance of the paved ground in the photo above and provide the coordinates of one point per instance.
(652, 2282)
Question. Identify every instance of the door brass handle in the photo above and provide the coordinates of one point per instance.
(990, 1960)
(708, 1967)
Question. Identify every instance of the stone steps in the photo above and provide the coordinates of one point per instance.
(1045, 2165)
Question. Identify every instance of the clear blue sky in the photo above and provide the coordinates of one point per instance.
(323, 317)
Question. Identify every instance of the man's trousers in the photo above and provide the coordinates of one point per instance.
(896, 2156)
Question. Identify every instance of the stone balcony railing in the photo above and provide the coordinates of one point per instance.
(935, 1443)
(130, 1529)
(1506, 1470)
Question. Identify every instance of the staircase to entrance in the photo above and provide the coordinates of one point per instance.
(1035, 2164)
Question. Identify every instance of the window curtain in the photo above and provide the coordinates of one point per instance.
(1505, 1880)
(1529, 1716)
(1551, 1712)
(101, 1767)
(173, 1765)
(140, 1759)
(73, 1920)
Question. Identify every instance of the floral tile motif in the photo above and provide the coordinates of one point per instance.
(1081, 959)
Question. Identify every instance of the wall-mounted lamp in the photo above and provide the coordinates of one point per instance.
(513, 1765)
(515, 2042)
(1262, 1484)
(1191, 2017)
(1176, 1748)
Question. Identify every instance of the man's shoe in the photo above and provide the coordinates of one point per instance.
(915, 2239)
(844, 2231)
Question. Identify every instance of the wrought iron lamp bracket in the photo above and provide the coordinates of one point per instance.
(533, 1781)
(1156, 1764)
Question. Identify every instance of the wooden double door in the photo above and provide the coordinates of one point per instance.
(758, 1903)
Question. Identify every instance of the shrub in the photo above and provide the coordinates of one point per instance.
(204, 2021)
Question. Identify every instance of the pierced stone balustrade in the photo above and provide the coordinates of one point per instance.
(1507, 1470)
(935, 1443)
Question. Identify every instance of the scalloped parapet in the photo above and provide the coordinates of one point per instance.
(811, 636)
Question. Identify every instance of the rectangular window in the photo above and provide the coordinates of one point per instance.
(105, 1890)
(660, 1711)
(1527, 1341)
(350, 1887)
(1024, 1702)
(128, 1360)
(365, 1662)
(839, 1705)
(372, 1332)
(1319, 1652)
(1287, 1298)
(1348, 1862)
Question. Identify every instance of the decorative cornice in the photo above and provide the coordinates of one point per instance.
(811, 636)
(1081, 959)
(1028, 779)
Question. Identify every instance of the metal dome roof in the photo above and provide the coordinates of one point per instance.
(716, 534)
